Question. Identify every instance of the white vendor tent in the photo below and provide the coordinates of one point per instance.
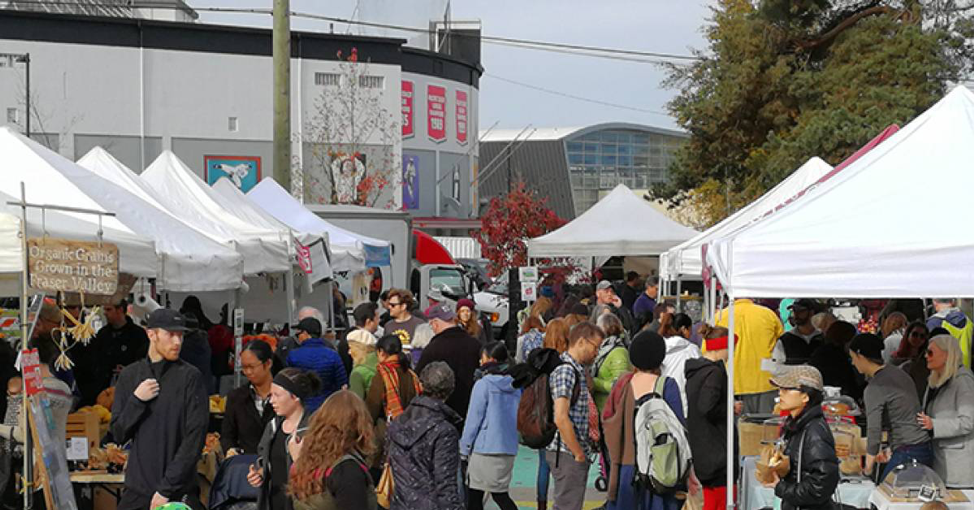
(684, 260)
(185, 195)
(191, 261)
(891, 224)
(232, 199)
(619, 224)
(348, 248)
(44, 174)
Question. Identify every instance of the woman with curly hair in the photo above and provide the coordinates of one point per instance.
(330, 470)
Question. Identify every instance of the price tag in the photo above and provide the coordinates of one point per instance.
(78, 448)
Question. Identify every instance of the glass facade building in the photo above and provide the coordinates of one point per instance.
(600, 160)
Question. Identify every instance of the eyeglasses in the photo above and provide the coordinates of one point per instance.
(392, 305)
(930, 352)
(248, 368)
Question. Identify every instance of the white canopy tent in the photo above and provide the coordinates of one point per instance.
(232, 199)
(44, 174)
(916, 184)
(186, 196)
(191, 261)
(684, 260)
(348, 248)
(619, 224)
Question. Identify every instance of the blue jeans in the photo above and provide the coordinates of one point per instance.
(922, 453)
(544, 472)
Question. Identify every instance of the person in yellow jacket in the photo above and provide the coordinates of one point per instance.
(758, 329)
(949, 317)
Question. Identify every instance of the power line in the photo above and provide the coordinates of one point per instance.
(577, 98)
(573, 49)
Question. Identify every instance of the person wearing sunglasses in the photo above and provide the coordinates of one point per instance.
(891, 403)
(911, 356)
(948, 412)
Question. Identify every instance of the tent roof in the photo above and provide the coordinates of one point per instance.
(192, 260)
(888, 225)
(48, 179)
(347, 247)
(619, 224)
(187, 197)
(235, 201)
(685, 258)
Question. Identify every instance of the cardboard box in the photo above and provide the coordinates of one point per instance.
(753, 435)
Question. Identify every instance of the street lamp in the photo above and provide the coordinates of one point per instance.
(9, 60)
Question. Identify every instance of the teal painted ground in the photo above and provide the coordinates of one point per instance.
(525, 480)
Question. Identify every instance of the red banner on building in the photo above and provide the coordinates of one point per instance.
(462, 117)
(407, 109)
(436, 113)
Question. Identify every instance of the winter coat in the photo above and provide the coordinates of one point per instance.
(952, 410)
(424, 457)
(811, 449)
(316, 356)
(361, 377)
(264, 452)
(491, 424)
(678, 351)
(462, 353)
(243, 426)
(707, 420)
(615, 364)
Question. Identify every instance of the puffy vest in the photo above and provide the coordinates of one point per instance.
(963, 336)
(797, 350)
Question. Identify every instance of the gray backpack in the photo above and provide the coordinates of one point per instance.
(663, 456)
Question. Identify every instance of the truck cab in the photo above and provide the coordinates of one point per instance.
(439, 283)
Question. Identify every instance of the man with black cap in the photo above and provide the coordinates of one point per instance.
(891, 405)
(161, 406)
(453, 345)
(314, 355)
(797, 345)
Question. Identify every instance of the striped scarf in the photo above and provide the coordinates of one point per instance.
(389, 371)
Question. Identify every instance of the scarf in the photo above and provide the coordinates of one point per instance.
(607, 346)
(389, 371)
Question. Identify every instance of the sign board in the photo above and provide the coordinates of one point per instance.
(31, 363)
(407, 109)
(60, 265)
(53, 465)
(436, 113)
(78, 448)
(319, 263)
(529, 291)
(238, 322)
(528, 274)
(461, 117)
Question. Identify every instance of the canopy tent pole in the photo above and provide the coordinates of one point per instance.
(731, 457)
(679, 291)
(289, 283)
(713, 301)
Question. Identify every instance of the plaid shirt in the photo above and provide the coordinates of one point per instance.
(562, 382)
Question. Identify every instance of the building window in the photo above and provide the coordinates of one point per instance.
(13, 116)
(371, 82)
(232, 125)
(328, 79)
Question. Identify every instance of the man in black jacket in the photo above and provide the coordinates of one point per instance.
(458, 349)
(161, 406)
(797, 345)
(118, 344)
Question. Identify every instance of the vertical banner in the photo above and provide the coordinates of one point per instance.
(407, 109)
(461, 117)
(410, 181)
(436, 113)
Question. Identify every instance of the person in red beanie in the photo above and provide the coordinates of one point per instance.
(467, 319)
(706, 387)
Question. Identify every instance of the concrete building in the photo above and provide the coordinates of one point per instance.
(140, 86)
(574, 167)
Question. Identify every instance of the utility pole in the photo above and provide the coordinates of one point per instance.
(282, 93)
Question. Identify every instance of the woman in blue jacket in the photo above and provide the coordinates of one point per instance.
(489, 441)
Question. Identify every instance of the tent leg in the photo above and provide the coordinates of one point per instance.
(679, 292)
(731, 458)
(331, 306)
(289, 284)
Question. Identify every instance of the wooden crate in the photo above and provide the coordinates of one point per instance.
(84, 425)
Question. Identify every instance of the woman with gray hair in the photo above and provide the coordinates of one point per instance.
(612, 360)
(948, 412)
(423, 447)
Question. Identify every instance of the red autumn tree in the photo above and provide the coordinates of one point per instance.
(510, 221)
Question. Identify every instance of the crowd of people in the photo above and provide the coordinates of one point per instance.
(423, 409)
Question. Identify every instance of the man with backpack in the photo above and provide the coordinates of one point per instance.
(568, 453)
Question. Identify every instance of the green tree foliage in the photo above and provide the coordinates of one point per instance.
(782, 81)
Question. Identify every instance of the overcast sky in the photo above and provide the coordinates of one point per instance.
(664, 26)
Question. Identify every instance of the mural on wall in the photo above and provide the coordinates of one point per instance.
(410, 182)
(243, 171)
(347, 172)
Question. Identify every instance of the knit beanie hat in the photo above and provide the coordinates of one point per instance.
(647, 350)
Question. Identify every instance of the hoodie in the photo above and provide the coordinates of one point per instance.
(706, 388)
(952, 316)
(423, 455)
(678, 351)
(959, 327)
(491, 424)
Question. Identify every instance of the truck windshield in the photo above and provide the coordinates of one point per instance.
(500, 285)
(447, 280)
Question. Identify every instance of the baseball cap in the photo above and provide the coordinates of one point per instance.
(444, 312)
(868, 346)
(806, 303)
(309, 325)
(798, 376)
(167, 319)
(604, 285)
